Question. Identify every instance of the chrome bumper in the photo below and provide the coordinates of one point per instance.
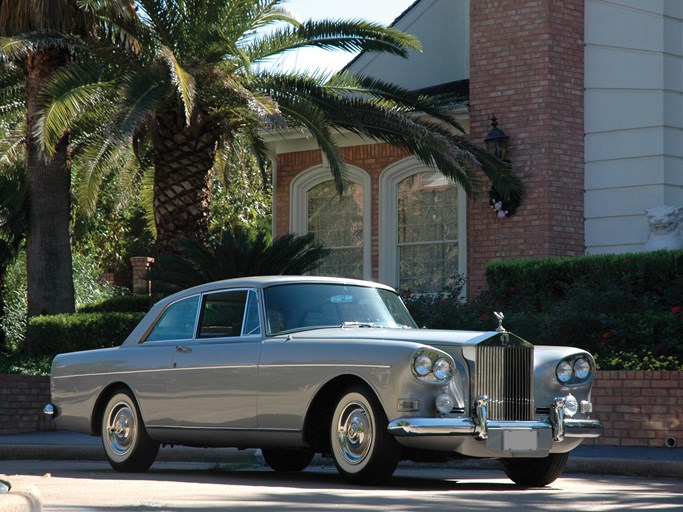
(479, 426)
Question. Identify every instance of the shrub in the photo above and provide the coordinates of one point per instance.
(54, 334)
(625, 309)
(120, 303)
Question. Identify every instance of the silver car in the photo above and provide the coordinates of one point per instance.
(302, 365)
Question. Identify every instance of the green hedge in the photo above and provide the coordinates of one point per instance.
(54, 334)
(626, 309)
(120, 303)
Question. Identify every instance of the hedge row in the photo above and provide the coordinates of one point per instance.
(625, 309)
(55, 334)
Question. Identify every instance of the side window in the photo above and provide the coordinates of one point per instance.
(252, 324)
(223, 314)
(177, 322)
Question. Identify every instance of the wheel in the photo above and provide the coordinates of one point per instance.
(126, 443)
(288, 459)
(363, 451)
(535, 472)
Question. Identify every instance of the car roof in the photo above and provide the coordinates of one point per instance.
(266, 281)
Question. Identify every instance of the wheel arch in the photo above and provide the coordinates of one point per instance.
(319, 414)
(101, 403)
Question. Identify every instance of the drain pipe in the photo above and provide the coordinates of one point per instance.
(670, 442)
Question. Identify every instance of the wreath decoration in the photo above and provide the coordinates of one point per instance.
(501, 206)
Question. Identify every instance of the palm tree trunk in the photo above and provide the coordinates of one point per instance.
(48, 241)
(183, 158)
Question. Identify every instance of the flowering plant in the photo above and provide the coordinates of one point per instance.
(504, 207)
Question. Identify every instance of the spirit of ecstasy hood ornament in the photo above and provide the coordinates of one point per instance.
(499, 315)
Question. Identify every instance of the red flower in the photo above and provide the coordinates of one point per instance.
(484, 316)
(606, 335)
(602, 344)
(408, 293)
(676, 310)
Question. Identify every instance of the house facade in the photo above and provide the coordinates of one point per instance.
(589, 92)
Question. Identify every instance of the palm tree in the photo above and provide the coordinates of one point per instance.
(48, 251)
(238, 253)
(188, 78)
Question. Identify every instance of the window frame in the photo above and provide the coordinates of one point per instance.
(388, 219)
(298, 200)
(200, 311)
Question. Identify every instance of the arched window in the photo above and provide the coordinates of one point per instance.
(339, 223)
(422, 228)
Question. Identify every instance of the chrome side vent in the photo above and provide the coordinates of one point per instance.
(505, 373)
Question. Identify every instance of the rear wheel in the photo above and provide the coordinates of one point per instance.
(126, 443)
(364, 452)
(287, 460)
(535, 472)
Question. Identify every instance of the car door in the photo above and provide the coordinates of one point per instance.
(212, 384)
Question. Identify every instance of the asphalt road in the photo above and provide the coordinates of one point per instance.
(86, 486)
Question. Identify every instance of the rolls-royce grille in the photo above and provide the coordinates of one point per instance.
(506, 375)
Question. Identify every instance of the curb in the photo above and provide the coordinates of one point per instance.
(21, 500)
(622, 466)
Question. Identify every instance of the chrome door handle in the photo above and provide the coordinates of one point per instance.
(185, 350)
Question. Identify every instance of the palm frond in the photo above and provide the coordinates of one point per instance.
(349, 36)
(67, 94)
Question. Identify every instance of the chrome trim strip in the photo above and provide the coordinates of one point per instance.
(231, 367)
(156, 370)
(230, 429)
(326, 365)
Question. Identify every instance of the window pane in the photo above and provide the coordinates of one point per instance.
(252, 325)
(177, 322)
(337, 223)
(223, 314)
(427, 231)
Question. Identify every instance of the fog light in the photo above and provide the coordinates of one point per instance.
(571, 406)
(445, 403)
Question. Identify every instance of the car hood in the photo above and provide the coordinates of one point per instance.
(422, 336)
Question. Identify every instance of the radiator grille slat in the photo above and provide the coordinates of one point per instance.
(505, 374)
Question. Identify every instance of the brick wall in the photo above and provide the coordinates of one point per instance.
(526, 66)
(22, 398)
(637, 408)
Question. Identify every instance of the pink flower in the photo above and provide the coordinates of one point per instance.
(606, 335)
(676, 310)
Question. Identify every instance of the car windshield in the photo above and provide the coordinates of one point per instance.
(294, 307)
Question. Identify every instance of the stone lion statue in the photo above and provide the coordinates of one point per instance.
(665, 225)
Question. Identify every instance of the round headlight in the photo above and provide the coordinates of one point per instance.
(442, 369)
(564, 372)
(571, 406)
(423, 365)
(445, 403)
(582, 368)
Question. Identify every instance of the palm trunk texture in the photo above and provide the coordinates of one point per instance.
(48, 241)
(183, 159)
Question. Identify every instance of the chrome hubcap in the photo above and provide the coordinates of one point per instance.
(354, 433)
(121, 429)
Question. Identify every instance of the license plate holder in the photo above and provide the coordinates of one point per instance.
(520, 440)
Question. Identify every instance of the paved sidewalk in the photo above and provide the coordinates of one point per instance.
(63, 445)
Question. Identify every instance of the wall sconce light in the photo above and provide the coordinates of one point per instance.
(496, 141)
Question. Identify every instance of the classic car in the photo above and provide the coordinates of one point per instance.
(298, 366)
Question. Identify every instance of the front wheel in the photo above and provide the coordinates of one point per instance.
(535, 472)
(126, 443)
(364, 452)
